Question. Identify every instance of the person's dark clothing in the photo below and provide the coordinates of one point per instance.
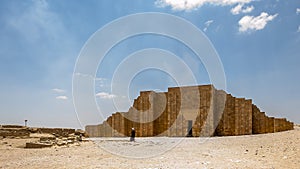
(132, 135)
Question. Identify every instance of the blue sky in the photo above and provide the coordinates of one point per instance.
(257, 41)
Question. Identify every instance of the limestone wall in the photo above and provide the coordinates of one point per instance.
(160, 114)
(93, 131)
(22, 131)
(58, 131)
(15, 132)
(227, 123)
(204, 109)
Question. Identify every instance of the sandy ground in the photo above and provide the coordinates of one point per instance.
(275, 150)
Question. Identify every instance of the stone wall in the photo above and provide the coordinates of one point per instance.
(192, 110)
(15, 132)
(58, 131)
(23, 131)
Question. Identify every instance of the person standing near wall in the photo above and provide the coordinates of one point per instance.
(132, 136)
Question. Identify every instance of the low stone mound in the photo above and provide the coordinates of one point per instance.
(47, 137)
(79, 132)
(14, 132)
(56, 131)
(54, 141)
(11, 126)
(37, 145)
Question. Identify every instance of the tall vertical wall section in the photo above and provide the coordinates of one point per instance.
(194, 111)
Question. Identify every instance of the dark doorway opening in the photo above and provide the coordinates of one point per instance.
(190, 128)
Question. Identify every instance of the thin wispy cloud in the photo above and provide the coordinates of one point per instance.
(100, 79)
(101, 82)
(207, 24)
(186, 5)
(104, 95)
(57, 90)
(248, 23)
(62, 98)
(241, 9)
(84, 75)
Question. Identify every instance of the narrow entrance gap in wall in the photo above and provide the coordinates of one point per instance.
(190, 128)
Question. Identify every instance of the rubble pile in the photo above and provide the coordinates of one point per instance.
(42, 137)
(55, 140)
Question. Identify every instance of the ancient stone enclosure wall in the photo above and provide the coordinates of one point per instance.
(189, 111)
(23, 131)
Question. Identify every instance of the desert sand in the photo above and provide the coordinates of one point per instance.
(274, 150)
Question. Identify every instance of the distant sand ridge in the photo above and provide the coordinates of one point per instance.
(189, 111)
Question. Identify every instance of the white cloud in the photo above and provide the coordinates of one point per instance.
(239, 9)
(207, 24)
(248, 9)
(181, 5)
(298, 11)
(58, 90)
(255, 23)
(62, 97)
(298, 29)
(104, 95)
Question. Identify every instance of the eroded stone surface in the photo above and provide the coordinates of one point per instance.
(194, 110)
